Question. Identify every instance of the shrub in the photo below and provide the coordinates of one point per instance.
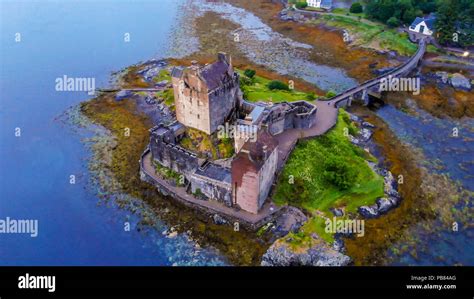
(246, 81)
(331, 94)
(249, 73)
(393, 22)
(301, 5)
(311, 96)
(338, 172)
(356, 7)
(275, 84)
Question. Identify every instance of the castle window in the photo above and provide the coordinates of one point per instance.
(199, 117)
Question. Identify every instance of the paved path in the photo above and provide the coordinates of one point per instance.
(326, 118)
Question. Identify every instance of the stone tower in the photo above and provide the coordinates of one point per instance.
(206, 96)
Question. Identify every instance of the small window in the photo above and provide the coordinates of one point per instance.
(199, 117)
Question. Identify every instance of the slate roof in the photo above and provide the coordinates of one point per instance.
(214, 74)
(256, 150)
(326, 4)
(430, 22)
(177, 72)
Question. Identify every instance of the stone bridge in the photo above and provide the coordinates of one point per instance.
(372, 86)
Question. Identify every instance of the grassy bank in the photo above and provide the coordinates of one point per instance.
(370, 34)
(308, 181)
(257, 90)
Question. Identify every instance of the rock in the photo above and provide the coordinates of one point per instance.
(458, 81)
(389, 184)
(368, 125)
(289, 221)
(369, 211)
(150, 101)
(123, 94)
(384, 205)
(218, 219)
(173, 235)
(443, 76)
(161, 83)
(338, 212)
(354, 140)
(373, 65)
(319, 253)
(338, 245)
(354, 118)
(366, 134)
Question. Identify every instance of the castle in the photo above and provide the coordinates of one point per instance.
(208, 98)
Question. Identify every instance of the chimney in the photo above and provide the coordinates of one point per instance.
(265, 152)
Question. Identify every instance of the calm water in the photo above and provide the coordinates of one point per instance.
(77, 39)
(444, 154)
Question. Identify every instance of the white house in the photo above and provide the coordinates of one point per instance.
(423, 26)
(325, 4)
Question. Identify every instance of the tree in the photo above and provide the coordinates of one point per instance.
(356, 7)
(275, 84)
(301, 5)
(338, 172)
(249, 73)
(455, 22)
(393, 22)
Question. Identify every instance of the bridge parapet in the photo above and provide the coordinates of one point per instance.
(345, 98)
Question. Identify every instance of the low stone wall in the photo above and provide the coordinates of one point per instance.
(169, 191)
(302, 115)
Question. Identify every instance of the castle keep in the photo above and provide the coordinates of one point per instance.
(208, 98)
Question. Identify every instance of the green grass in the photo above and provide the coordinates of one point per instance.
(315, 195)
(168, 97)
(345, 11)
(164, 74)
(311, 191)
(367, 32)
(317, 225)
(167, 173)
(259, 91)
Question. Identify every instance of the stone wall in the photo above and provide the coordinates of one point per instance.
(172, 156)
(267, 176)
(223, 103)
(212, 189)
(296, 115)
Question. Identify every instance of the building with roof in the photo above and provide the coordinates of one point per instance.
(205, 96)
(425, 26)
(253, 172)
(324, 4)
